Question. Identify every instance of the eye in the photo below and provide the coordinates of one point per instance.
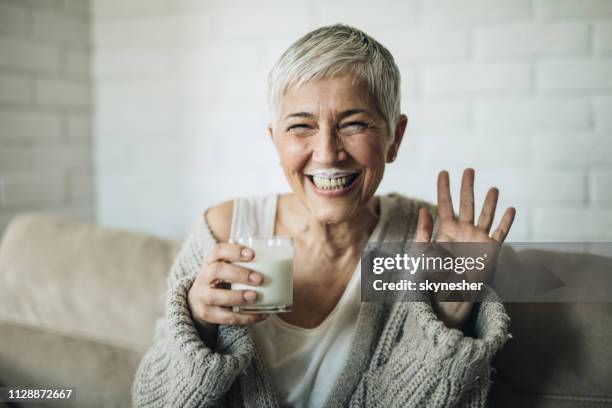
(298, 126)
(352, 126)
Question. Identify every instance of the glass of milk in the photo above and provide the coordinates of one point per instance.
(274, 260)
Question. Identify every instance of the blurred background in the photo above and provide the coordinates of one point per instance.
(140, 114)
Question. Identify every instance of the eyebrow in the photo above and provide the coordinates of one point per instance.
(351, 112)
(342, 115)
(299, 115)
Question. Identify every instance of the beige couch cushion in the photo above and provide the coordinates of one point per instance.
(82, 280)
(100, 374)
(560, 354)
(97, 293)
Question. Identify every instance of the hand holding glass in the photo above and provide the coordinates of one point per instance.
(274, 260)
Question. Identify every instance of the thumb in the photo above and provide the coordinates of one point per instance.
(424, 226)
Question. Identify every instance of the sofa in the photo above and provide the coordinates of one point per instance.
(78, 304)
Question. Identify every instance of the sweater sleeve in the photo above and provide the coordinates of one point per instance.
(179, 370)
(430, 365)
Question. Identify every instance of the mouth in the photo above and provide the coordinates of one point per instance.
(334, 184)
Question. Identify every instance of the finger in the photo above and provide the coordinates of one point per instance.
(445, 203)
(424, 226)
(223, 315)
(229, 252)
(487, 214)
(226, 297)
(226, 272)
(504, 225)
(466, 203)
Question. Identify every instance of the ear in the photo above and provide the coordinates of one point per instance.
(270, 132)
(397, 138)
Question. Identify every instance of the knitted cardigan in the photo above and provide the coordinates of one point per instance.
(401, 355)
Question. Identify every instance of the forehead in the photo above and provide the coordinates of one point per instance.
(335, 93)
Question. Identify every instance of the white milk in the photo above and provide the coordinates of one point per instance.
(275, 293)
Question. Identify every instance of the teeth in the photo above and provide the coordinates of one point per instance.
(331, 183)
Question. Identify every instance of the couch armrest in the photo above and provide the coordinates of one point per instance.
(82, 280)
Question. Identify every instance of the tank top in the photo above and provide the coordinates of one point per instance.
(303, 363)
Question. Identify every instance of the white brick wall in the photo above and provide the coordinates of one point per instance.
(580, 75)
(26, 54)
(603, 37)
(519, 89)
(571, 9)
(15, 89)
(475, 10)
(26, 124)
(521, 114)
(46, 161)
(600, 186)
(475, 78)
(603, 113)
(531, 39)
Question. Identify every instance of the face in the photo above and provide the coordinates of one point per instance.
(333, 145)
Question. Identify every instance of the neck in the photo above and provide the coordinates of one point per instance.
(333, 240)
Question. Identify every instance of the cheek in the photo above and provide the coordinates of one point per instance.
(369, 151)
(293, 154)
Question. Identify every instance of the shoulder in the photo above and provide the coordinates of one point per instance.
(402, 216)
(219, 219)
(403, 206)
(249, 214)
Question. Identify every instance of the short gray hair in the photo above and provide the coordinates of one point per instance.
(338, 49)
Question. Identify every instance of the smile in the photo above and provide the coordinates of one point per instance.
(333, 184)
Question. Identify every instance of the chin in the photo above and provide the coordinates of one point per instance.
(332, 211)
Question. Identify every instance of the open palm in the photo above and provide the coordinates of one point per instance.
(462, 229)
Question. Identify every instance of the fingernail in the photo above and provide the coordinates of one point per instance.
(255, 277)
(250, 296)
(246, 252)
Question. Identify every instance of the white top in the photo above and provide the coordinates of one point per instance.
(303, 363)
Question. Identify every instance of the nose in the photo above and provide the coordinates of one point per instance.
(328, 148)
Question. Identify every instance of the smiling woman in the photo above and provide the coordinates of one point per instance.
(331, 130)
(334, 98)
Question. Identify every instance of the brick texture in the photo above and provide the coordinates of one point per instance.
(46, 160)
(519, 89)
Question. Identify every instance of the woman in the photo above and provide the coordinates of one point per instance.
(334, 97)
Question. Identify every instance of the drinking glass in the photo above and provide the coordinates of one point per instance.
(274, 261)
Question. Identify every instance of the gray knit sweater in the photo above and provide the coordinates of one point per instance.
(402, 355)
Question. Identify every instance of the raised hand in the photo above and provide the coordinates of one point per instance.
(462, 229)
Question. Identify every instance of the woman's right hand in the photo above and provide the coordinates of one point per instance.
(210, 302)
